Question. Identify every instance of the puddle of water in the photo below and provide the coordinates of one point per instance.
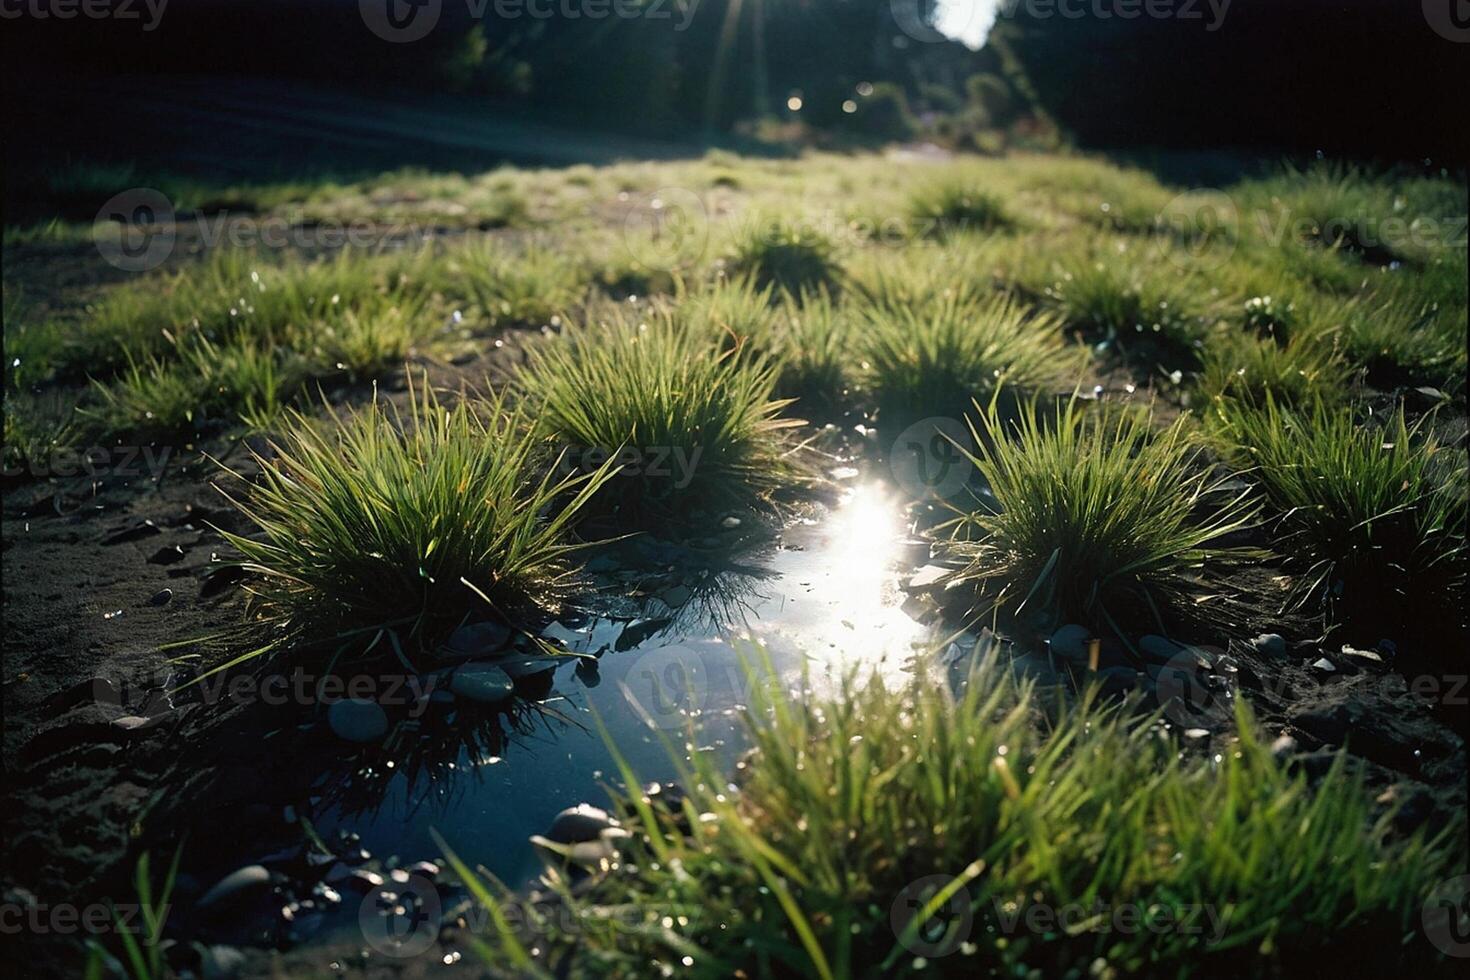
(825, 601)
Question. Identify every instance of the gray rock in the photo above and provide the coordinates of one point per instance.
(1271, 644)
(1284, 746)
(1325, 665)
(358, 720)
(221, 962)
(579, 824)
(677, 596)
(161, 598)
(251, 879)
(475, 640)
(517, 667)
(485, 683)
(1070, 642)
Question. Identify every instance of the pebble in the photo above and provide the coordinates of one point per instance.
(166, 555)
(241, 881)
(517, 667)
(161, 597)
(485, 683)
(677, 596)
(358, 720)
(1271, 644)
(475, 640)
(1325, 665)
(579, 824)
(137, 723)
(219, 962)
(1070, 642)
(1284, 746)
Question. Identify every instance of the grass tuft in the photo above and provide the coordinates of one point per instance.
(1096, 520)
(881, 833)
(1374, 513)
(410, 523)
(696, 426)
(936, 359)
(1237, 365)
(952, 206)
(786, 254)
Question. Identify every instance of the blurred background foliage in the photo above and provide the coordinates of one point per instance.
(269, 86)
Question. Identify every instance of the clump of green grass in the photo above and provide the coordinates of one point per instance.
(34, 433)
(916, 833)
(1097, 520)
(787, 254)
(734, 312)
(698, 426)
(895, 281)
(367, 343)
(503, 287)
(152, 396)
(1373, 514)
(1270, 316)
(203, 383)
(813, 345)
(1339, 207)
(1239, 365)
(407, 523)
(1398, 340)
(954, 205)
(937, 359)
(1131, 303)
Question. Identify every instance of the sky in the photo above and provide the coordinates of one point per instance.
(966, 20)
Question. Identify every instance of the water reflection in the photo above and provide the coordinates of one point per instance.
(824, 600)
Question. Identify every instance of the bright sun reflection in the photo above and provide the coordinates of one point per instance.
(844, 602)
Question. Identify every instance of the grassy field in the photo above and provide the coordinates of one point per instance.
(1163, 385)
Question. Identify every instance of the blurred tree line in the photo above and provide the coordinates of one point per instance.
(1370, 79)
(1357, 77)
(679, 65)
